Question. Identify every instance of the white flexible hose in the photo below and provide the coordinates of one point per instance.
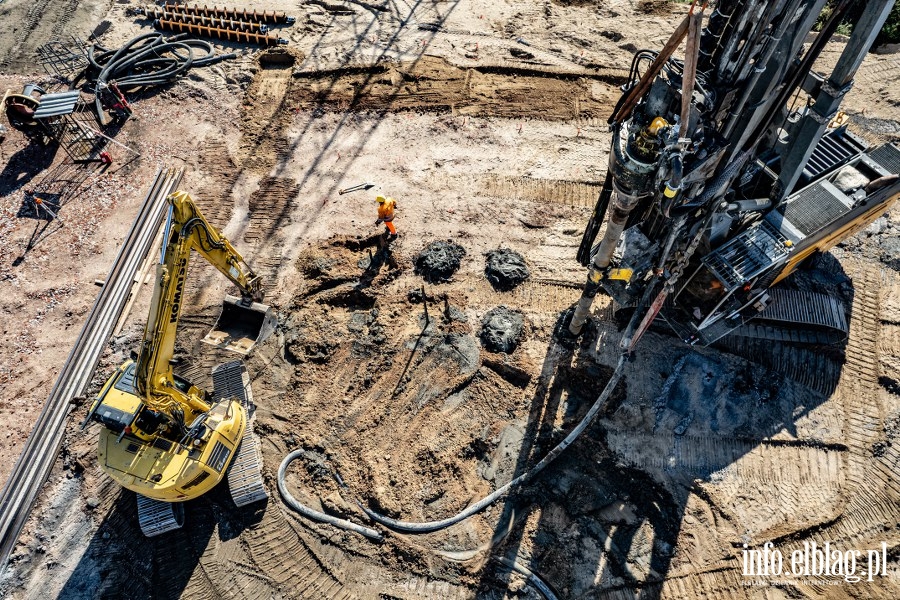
(429, 526)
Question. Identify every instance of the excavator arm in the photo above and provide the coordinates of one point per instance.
(186, 230)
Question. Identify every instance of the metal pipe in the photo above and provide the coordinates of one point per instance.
(760, 66)
(622, 206)
(593, 226)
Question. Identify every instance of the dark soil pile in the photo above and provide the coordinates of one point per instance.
(439, 261)
(501, 329)
(505, 269)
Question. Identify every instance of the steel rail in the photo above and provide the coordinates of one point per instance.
(36, 461)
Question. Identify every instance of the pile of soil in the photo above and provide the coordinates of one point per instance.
(439, 261)
(505, 269)
(501, 329)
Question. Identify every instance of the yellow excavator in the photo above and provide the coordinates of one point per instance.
(162, 437)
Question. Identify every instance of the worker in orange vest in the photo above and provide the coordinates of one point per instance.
(386, 208)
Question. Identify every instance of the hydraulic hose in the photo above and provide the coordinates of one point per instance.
(429, 526)
(146, 60)
(315, 514)
(535, 581)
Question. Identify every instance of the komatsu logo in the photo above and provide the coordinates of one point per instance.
(179, 288)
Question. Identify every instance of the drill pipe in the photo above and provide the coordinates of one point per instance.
(222, 34)
(232, 13)
(155, 13)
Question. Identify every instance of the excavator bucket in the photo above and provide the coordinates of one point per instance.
(241, 327)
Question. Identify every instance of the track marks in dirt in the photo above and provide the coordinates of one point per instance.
(531, 296)
(29, 23)
(277, 551)
(270, 207)
(219, 174)
(432, 84)
(265, 117)
(722, 584)
(880, 72)
(554, 191)
(39, 22)
(728, 458)
(858, 386)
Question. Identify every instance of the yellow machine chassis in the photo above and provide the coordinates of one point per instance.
(828, 239)
(159, 468)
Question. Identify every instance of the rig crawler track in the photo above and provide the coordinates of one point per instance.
(36, 461)
(244, 478)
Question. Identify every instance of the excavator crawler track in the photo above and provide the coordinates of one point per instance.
(156, 517)
(799, 317)
(244, 476)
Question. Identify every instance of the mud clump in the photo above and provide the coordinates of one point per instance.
(653, 7)
(505, 269)
(502, 329)
(312, 336)
(439, 261)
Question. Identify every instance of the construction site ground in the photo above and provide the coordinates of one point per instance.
(487, 122)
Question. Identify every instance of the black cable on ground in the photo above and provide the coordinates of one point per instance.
(146, 60)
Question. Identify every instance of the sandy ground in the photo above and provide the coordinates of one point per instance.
(486, 122)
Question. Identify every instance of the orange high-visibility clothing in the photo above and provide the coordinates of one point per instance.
(386, 210)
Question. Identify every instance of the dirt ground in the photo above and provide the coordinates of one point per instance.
(486, 121)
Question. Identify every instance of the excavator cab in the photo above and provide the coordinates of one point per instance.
(241, 325)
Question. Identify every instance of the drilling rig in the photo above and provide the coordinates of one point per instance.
(726, 173)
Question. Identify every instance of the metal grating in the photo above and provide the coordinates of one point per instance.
(747, 255)
(162, 444)
(833, 150)
(888, 156)
(807, 308)
(813, 208)
(64, 61)
(218, 458)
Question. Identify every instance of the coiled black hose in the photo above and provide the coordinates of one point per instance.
(148, 59)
